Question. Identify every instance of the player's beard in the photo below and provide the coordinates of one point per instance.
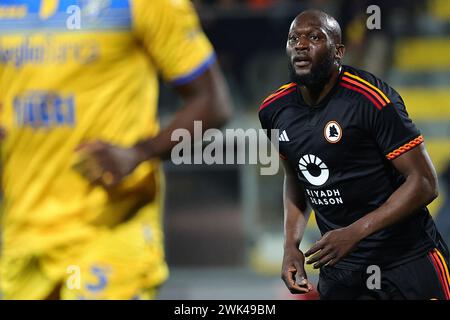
(317, 78)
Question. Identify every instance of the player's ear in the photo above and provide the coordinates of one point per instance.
(339, 53)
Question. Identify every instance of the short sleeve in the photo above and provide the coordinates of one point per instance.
(171, 34)
(264, 120)
(393, 130)
(265, 112)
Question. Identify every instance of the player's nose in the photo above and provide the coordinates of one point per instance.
(302, 44)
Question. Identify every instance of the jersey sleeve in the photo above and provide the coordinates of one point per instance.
(392, 129)
(267, 111)
(265, 120)
(171, 33)
(272, 102)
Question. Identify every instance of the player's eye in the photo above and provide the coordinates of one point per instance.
(293, 39)
(314, 37)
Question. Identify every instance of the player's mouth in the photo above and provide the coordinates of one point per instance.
(301, 61)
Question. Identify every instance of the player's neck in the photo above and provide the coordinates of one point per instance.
(314, 95)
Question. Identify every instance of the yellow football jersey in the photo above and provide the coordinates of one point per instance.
(74, 71)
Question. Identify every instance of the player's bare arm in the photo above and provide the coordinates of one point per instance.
(204, 98)
(296, 214)
(419, 189)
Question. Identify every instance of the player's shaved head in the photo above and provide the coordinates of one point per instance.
(322, 20)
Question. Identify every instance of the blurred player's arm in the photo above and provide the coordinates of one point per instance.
(205, 99)
(419, 189)
(296, 215)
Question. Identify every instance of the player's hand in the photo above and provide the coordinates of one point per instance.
(293, 272)
(105, 164)
(332, 247)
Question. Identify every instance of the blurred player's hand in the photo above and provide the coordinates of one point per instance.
(293, 272)
(105, 164)
(332, 247)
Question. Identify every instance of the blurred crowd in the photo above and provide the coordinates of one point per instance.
(247, 34)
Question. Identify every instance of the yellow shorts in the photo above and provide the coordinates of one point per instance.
(126, 262)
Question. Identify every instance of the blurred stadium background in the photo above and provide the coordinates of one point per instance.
(224, 224)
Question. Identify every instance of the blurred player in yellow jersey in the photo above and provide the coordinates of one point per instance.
(81, 179)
